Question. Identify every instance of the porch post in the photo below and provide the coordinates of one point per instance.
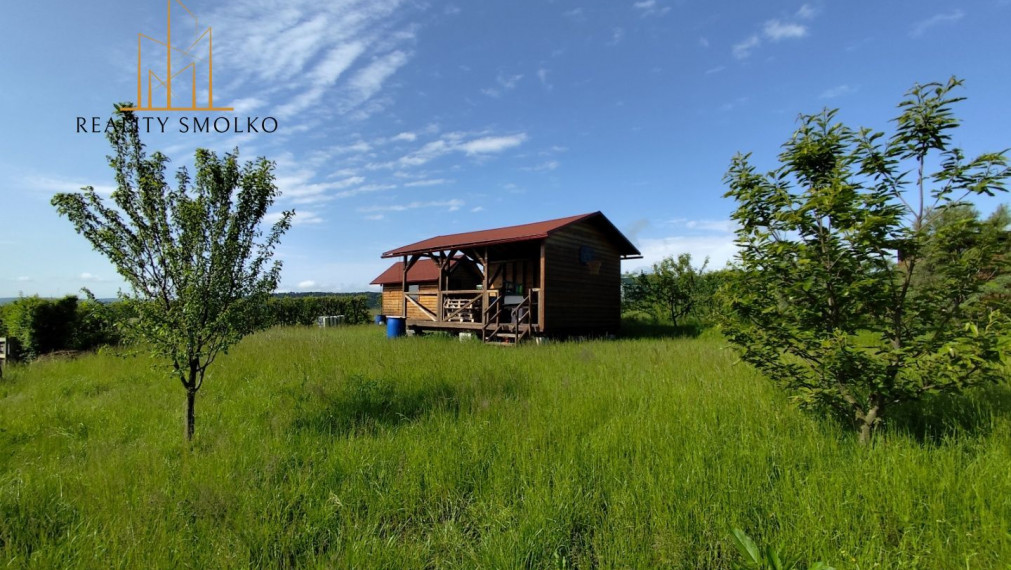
(403, 288)
(484, 289)
(541, 295)
(439, 313)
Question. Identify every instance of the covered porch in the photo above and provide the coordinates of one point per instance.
(506, 304)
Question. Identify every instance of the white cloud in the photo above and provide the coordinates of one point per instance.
(53, 185)
(299, 55)
(544, 166)
(87, 276)
(714, 70)
(718, 248)
(650, 8)
(367, 189)
(487, 145)
(451, 205)
(837, 91)
(743, 49)
(504, 82)
(427, 182)
(617, 34)
(923, 26)
(308, 284)
(369, 81)
(542, 75)
(807, 12)
(405, 137)
(776, 30)
(298, 188)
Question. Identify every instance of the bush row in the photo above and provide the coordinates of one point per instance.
(35, 326)
(304, 310)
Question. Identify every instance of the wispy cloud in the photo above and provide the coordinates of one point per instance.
(617, 34)
(542, 75)
(53, 185)
(701, 238)
(504, 82)
(426, 183)
(743, 49)
(650, 8)
(452, 205)
(776, 30)
(488, 145)
(307, 284)
(923, 26)
(329, 57)
(837, 91)
(544, 166)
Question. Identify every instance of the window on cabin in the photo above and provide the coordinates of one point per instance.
(414, 288)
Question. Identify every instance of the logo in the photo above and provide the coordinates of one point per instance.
(191, 51)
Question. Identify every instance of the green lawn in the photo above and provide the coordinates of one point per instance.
(338, 447)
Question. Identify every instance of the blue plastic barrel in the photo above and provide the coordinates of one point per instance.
(380, 319)
(396, 326)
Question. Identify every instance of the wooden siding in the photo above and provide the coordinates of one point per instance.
(393, 301)
(582, 296)
(525, 272)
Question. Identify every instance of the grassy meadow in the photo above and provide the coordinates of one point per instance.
(340, 448)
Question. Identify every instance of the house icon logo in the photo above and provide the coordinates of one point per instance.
(177, 73)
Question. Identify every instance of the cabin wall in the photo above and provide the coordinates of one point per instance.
(525, 272)
(582, 282)
(393, 301)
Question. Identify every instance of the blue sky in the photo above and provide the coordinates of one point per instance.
(399, 120)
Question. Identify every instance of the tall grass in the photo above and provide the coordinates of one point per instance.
(338, 447)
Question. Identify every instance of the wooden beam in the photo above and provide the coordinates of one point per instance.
(403, 287)
(541, 294)
(423, 308)
(443, 267)
(484, 287)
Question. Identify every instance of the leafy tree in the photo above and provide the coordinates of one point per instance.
(672, 289)
(190, 254)
(832, 299)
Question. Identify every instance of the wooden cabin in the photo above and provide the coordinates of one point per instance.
(556, 278)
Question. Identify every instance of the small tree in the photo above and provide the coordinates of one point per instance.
(831, 298)
(672, 289)
(190, 254)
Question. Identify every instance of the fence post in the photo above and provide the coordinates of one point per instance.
(3, 355)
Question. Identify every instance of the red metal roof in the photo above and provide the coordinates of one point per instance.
(512, 234)
(424, 271)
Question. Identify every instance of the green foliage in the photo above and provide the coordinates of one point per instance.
(285, 311)
(673, 289)
(36, 326)
(338, 448)
(191, 254)
(858, 287)
(770, 558)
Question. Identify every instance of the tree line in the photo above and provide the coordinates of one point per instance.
(35, 326)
